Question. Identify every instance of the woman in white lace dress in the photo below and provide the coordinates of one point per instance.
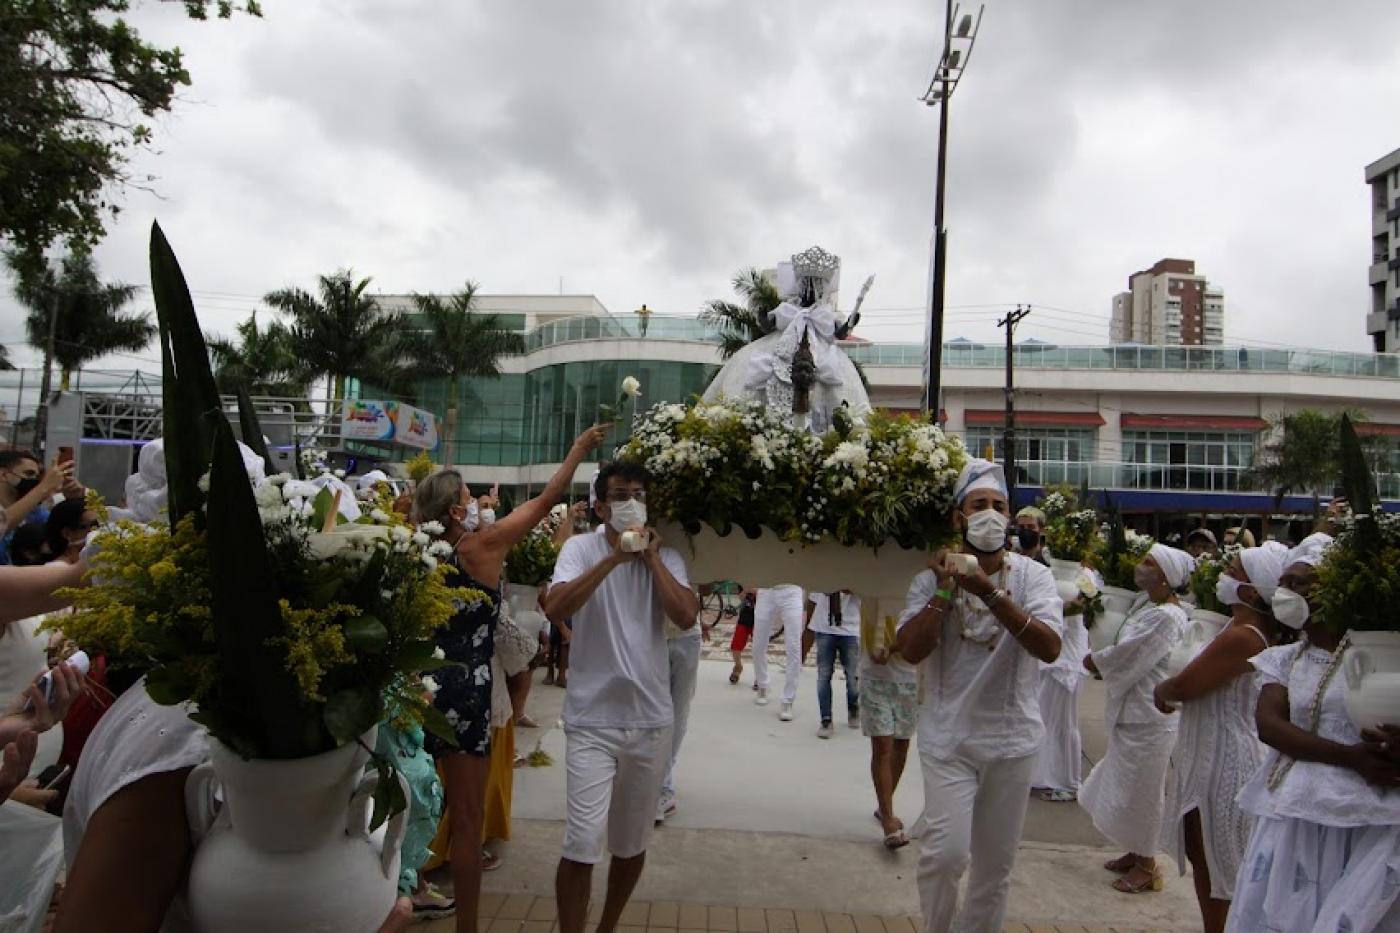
(1123, 794)
(1217, 750)
(1324, 855)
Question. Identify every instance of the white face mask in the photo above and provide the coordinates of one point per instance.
(472, 519)
(1290, 609)
(1227, 590)
(488, 517)
(629, 514)
(986, 530)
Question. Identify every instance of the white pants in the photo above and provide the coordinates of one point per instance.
(685, 666)
(612, 783)
(779, 607)
(973, 814)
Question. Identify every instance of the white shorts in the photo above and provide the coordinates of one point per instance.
(612, 788)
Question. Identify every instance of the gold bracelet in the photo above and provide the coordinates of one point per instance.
(1029, 618)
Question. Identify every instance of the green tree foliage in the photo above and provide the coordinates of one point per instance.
(1303, 456)
(91, 323)
(79, 89)
(262, 360)
(452, 341)
(341, 332)
(742, 324)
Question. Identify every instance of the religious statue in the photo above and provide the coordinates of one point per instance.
(797, 367)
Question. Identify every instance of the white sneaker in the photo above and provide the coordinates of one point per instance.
(825, 731)
(665, 807)
(786, 714)
(761, 696)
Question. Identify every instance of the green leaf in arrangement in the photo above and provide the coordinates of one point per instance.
(297, 467)
(436, 723)
(247, 617)
(321, 507)
(251, 429)
(388, 794)
(351, 713)
(416, 654)
(366, 633)
(190, 398)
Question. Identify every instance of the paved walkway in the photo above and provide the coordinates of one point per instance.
(776, 823)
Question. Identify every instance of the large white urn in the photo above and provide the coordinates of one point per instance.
(1372, 670)
(291, 848)
(1116, 603)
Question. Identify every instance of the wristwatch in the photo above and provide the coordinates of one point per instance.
(991, 599)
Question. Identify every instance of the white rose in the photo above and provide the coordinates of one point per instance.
(380, 516)
(429, 561)
(439, 654)
(420, 539)
(440, 549)
(430, 684)
(399, 533)
(432, 528)
(203, 483)
(340, 474)
(267, 496)
(631, 387)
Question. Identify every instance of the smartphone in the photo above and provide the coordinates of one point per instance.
(53, 776)
(78, 660)
(65, 455)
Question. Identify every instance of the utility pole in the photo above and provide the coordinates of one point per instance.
(41, 417)
(1008, 436)
(957, 51)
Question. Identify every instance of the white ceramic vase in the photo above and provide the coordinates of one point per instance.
(291, 847)
(1116, 599)
(1064, 570)
(524, 602)
(1200, 631)
(1372, 671)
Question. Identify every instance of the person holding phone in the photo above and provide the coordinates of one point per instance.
(25, 490)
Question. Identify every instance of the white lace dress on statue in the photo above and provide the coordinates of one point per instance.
(762, 371)
(1123, 794)
(1217, 752)
(1325, 852)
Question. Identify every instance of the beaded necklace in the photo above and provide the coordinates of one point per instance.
(1284, 764)
(972, 606)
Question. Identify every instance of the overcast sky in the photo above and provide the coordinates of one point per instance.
(644, 151)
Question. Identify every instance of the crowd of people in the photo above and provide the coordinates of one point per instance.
(1242, 764)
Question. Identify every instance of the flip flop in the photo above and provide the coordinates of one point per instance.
(896, 840)
(1057, 796)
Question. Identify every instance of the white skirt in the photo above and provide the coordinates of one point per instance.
(1124, 792)
(1057, 766)
(1301, 877)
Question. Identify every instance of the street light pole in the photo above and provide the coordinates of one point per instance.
(957, 51)
(1008, 437)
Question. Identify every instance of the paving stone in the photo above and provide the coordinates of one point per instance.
(724, 919)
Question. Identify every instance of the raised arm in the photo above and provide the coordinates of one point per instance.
(1223, 660)
(54, 479)
(501, 536)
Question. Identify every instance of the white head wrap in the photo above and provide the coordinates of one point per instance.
(1264, 565)
(148, 489)
(1310, 551)
(979, 474)
(369, 479)
(1176, 564)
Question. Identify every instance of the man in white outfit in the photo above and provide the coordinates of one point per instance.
(778, 607)
(981, 634)
(620, 588)
(683, 648)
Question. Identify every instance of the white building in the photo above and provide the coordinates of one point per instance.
(1383, 320)
(1169, 305)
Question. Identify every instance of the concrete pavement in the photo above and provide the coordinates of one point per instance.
(771, 817)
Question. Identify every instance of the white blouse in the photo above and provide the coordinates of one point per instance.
(1136, 663)
(1313, 791)
(981, 687)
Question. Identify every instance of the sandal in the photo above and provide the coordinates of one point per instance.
(1055, 795)
(525, 722)
(1151, 884)
(489, 862)
(734, 675)
(896, 840)
(1121, 865)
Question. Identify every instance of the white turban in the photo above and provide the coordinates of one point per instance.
(1176, 564)
(1310, 551)
(979, 474)
(369, 479)
(1264, 565)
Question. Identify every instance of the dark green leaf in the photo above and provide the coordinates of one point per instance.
(167, 685)
(366, 633)
(416, 655)
(436, 723)
(321, 507)
(388, 793)
(351, 713)
(1360, 487)
(250, 428)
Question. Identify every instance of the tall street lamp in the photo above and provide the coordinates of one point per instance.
(957, 52)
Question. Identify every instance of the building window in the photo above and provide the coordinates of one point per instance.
(1210, 461)
(1043, 455)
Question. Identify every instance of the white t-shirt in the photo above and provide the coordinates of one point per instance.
(619, 670)
(983, 704)
(823, 624)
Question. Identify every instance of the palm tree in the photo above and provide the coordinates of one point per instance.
(1304, 455)
(341, 332)
(453, 341)
(741, 324)
(5, 363)
(262, 361)
(89, 321)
